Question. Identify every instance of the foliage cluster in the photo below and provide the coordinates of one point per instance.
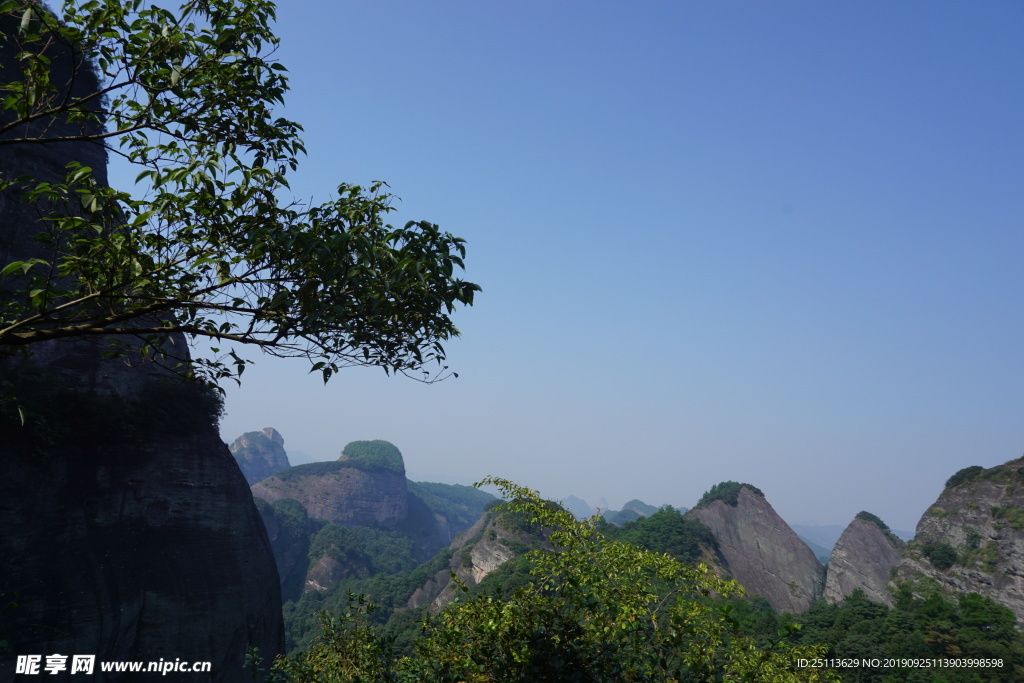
(927, 627)
(726, 491)
(667, 531)
(209, 247)
(973, 553)
(940, 553)
(1003, 474)
(390, 594)
(964, 476)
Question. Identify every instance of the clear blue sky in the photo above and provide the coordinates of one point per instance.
(780, 243)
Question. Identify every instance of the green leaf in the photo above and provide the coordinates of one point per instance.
(15, 265)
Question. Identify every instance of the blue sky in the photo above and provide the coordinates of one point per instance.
(779, 243)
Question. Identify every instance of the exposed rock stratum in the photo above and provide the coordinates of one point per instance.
(762, 553)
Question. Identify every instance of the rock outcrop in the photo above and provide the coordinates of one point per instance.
(972, 538)
(366, 487)
(129, 531)
(260, 454)
(762, 553)
(341, 493)
(485, 547)
(862, 558)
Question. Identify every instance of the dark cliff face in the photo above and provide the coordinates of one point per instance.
(136, 552)
(863, 559)
(762, 553)
(972, 538)
(260, 454)
(128, 539)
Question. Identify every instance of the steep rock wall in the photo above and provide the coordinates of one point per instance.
(347, 495)
(762, 553)
(862, 558)
(483, 548)
(136, 552)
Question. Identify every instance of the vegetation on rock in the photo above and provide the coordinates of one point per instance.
(666, 531)
(373, 455)
(866, 516)
(940, 553)
(964, 476)
(726, 491)
(894, 540)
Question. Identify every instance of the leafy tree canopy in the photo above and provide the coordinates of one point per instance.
(668, 531)
(205, 247)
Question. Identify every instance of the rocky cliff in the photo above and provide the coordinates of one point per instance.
(260, 454)
(485, 547)
(761, 552)
(341, 493)
(129, 531)
(863, 558)
(329, 521)
(972, 538)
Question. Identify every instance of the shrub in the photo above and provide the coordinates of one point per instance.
(941, 554)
